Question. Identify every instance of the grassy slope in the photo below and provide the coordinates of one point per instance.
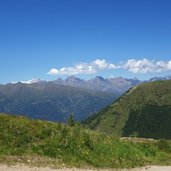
(48, 142)
(144, 111)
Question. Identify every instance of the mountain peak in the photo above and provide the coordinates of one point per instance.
(99, 78)
(32, 81)
(73, 79)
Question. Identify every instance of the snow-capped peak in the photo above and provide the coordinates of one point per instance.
(32, 81)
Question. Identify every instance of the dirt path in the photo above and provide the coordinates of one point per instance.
(26, 168)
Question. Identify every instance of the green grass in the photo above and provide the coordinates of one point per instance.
(57, 145)
(144, 111)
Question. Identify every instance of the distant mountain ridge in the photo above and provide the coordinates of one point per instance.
(116, 85)
(160, 78)
(49, 101)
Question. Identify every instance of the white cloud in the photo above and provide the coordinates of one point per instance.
(146, 66)
(136, 66)
(53, 71)
(83, 68)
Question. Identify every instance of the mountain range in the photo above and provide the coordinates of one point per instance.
(115, 86)
(56, 100)
(49, 101)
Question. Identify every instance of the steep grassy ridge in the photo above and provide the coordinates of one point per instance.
(144, 111)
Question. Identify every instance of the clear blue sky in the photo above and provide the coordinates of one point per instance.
(38, 35)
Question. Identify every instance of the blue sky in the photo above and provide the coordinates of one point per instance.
(39, 35)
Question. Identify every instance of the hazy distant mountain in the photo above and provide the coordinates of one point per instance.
(71, 81)
(49, 101)
(160, 78)
(116, 85)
